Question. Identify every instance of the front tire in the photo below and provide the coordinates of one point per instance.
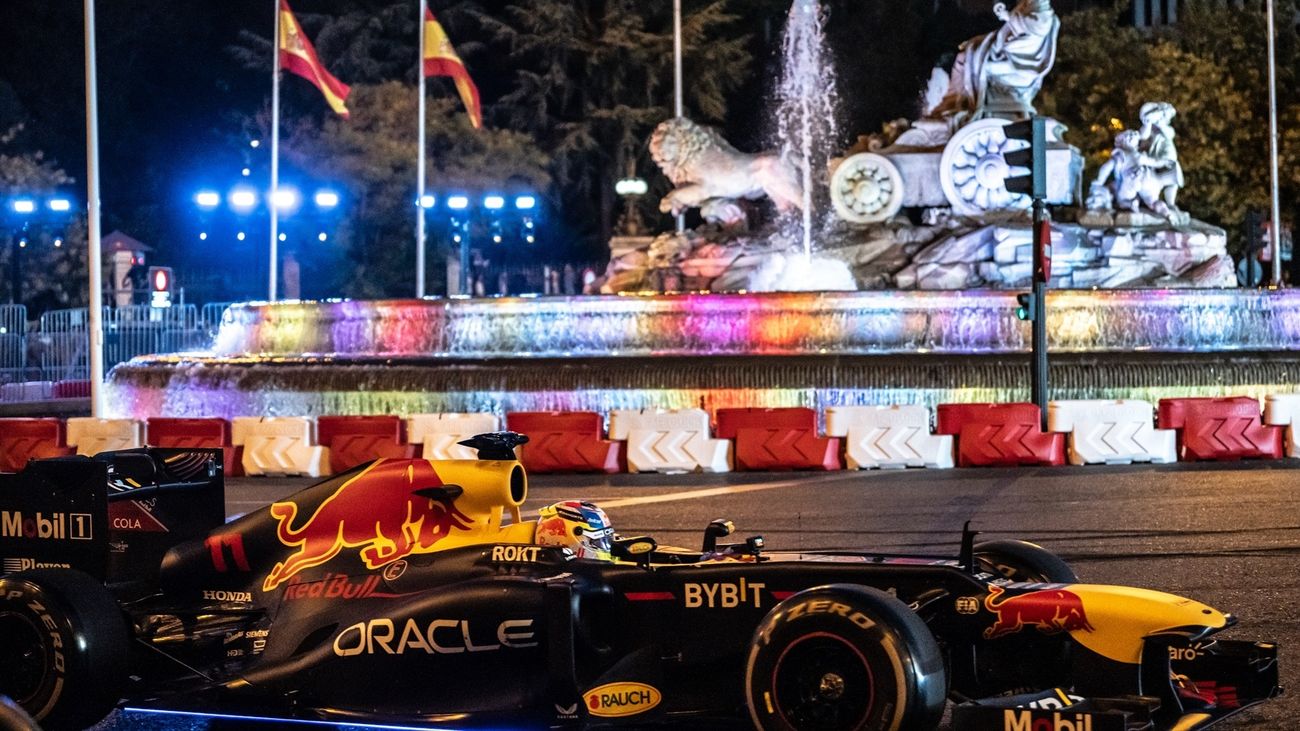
(1024, 561)
(63, 647)
(844, 658)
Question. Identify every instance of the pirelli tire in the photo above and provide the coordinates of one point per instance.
(844, 658)
(1024, 561)
(63, 647)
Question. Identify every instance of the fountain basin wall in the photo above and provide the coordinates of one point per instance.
(715, 350)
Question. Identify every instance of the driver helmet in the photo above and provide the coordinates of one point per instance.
(579, 526)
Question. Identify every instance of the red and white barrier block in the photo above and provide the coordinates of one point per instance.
(778, 439)
(1284, 410)
(1220, 429)
(91, 436)
(1112, 432)
(999, 435)
(889, 437)
(283, 445)
(669, 441)
(440, 433)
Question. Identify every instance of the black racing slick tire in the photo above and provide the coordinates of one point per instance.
(844, 658)
(63, 647)
(1024, 561)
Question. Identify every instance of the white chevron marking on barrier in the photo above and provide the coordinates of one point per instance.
(91, 436)
(1283, 409)
(890, 437)
(280, 446)
(1111, 432)
(439, 433)
(669, 441)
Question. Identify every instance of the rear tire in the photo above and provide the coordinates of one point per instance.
(844, 658)
(63, 647)
(1024, 561)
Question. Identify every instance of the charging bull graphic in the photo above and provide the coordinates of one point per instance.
(1051, 611)
(389, 511)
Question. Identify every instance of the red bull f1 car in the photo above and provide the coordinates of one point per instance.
(418, 593)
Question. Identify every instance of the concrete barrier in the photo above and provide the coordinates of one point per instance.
(1112, 432)
(1220, 429)
(91, 436)
(890, 437)
(1284, 410)
(283, 445)
(439, 433)
(669, 441)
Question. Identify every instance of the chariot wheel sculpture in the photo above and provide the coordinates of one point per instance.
(973, 169)
(867, 188)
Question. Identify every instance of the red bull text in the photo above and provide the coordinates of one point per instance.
(375, 512)
(1050, 610)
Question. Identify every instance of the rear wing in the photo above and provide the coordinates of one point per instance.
(112, 516)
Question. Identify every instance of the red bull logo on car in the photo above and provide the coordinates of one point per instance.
(376, 512)
(1050, 610)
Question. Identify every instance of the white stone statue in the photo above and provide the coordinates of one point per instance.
(999, 74)
(1143, 171)
(710, 174)
(994, 75)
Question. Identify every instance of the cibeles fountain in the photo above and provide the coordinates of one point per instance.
(879, 274)
(924, 203)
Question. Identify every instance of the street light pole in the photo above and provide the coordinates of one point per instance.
(678, 103)
(272, 207)
(93, 255)
(1276, 218)
(420, 223)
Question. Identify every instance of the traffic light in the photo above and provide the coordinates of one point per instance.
(1026, 309)
(160, 286)
(1033, 156)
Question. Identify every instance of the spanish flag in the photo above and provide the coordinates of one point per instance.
(440, 59)
(298, 56)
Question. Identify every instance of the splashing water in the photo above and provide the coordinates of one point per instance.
(807, 103)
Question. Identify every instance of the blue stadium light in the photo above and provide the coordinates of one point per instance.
(458, 202)
(323, 236)
(243, 199)
(284, 237)
(24, 206)
(246, 172)
(427, 201)
(525, 203)
(22, 243)
(287, 198)
(255, 144)
(496, 239)
(326, 199)
(530, 238)
(494, 203)
(240, 236)
(60, 205)
(203, 236)
(58, 242)
(208, 199)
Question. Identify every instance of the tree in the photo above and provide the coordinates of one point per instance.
(1211, 67)
(374, 155)
(591, 80)
(54, 276)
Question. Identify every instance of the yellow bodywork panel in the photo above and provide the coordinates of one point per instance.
(1122, 616)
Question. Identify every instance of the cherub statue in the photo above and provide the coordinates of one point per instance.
(1144, 165)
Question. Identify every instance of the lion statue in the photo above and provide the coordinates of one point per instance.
(709, 173)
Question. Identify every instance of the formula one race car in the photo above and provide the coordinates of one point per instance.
(415, 592)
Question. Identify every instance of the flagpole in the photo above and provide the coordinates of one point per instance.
(94, 256)
(275, 158)
(419, 169)
(1275, 211)
(678, 105)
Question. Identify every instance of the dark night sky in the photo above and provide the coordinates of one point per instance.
(170, 93)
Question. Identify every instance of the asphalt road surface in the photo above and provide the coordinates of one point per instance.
(1227, 535)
